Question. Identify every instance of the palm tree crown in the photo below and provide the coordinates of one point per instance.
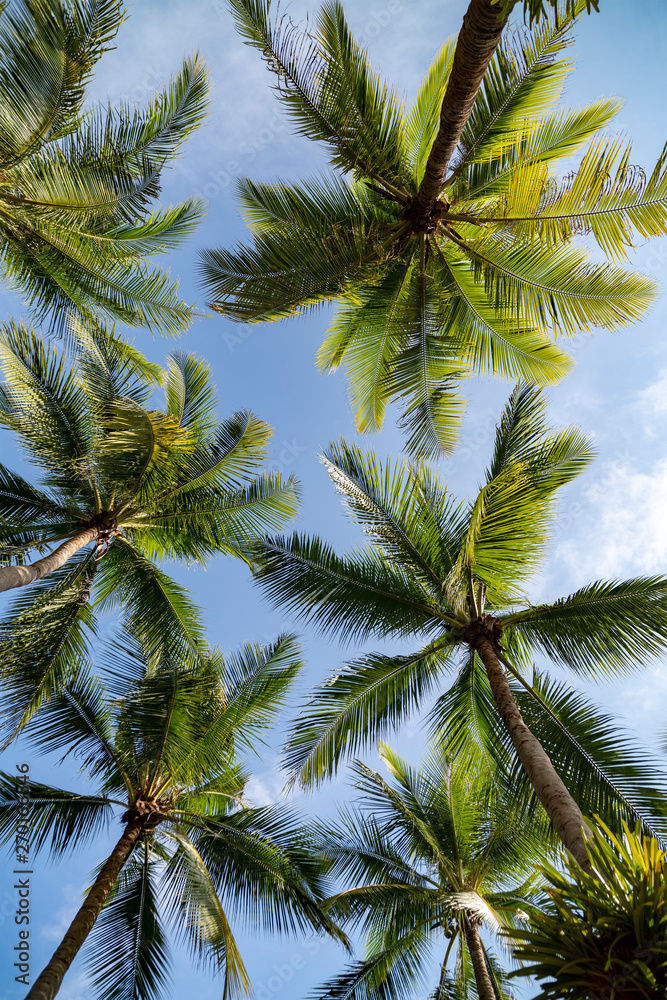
(163, 748)
(430, 860)
(490, 274)
(451, 574)
(124, 485)
(76, 184)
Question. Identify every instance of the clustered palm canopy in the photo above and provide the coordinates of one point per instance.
(481, 283)
(434, 568)
(163, 748)
(603, 932)
(427, 856)
(76, 183)
(148, 484)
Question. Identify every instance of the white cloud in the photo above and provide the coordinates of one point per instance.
(623, 528)
(652, 401)
(265, 789)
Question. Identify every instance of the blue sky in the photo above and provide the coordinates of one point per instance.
(613, 521)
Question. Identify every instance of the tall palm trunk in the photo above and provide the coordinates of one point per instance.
(19, 576)
(560, 807)
(49, 981)
(485, 988)
(482, 28)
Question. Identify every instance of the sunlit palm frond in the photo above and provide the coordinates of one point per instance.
(77, 185)
(366, 698)
(603, 628)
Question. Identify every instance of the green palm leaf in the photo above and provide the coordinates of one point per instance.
(162, 746)
(603, 628)
(58, 818)
(350, 708)
(45, 640)
(447, 576)
(432, 849)
(328, 88)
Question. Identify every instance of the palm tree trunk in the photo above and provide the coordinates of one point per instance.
(482, 28)
(485, 988)
(19, 576)
(50, 980)
(560, 807)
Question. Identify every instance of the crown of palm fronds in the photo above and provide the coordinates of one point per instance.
(433, 566)
(171, 740)
(76, 185)
(485, 281)
(168, 483)
(421, 859)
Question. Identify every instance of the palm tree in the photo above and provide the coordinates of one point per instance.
(123, 486)
(451, 574)
(164, 753)
(430, 861)
(602, 933)
(480, 282)
(76, 184)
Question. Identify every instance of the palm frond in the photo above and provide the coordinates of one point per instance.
(524, 79)
(269, 871)
(367, 697)
(189, 392)
(202, 922)
(603, 628)
(304, 576)
(403, 509)
(328, 88)
(45, 640)
(128, 957)
(59, 820)
(154, 606)
(606, 196)
(420, 123)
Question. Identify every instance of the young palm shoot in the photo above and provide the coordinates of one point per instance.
(431, 859)
(601, 933)
(481, 280)
(123, 485)
(450, 574)
(76, 184)
(165, 757)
